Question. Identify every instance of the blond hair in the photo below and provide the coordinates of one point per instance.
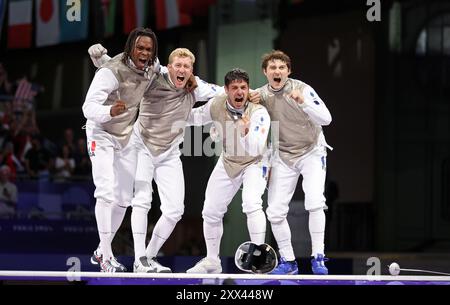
(181, 52)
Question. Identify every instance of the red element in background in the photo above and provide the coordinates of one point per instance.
(46, 10)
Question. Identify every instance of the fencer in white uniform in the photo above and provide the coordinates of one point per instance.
(111, 108)
(297, 114)
(158, 132)
(242, 127)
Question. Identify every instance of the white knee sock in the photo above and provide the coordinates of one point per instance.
(103, 217)
(161, 233)
(317, 231)
(282, 234)
(213, 234)
(117, 215)
(256, 224)
(139, 228)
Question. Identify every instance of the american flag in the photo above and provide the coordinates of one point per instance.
(24, 94)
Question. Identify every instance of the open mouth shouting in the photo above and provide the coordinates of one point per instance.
(277, 82)
(142, 52)
(142, 62)
(180, 81)
(239, 101)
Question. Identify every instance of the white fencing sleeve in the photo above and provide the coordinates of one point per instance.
(315, 107)
(206, 91)
(201, 115)
(102, 85)
(254, 141)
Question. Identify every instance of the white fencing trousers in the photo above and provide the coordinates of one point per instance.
(219, 193)
(167, 171)
(113, 169)
(282, 184)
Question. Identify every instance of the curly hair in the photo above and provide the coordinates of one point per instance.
(131, 42)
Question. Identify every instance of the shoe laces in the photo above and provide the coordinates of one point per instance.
(107, 266)
(114, 261)
(153, 261)
(320, 260)
(143, 261)
(283, 261)
(209, 261)
(98, 255)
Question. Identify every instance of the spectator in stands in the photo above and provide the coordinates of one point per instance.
(5, 104)
(8, 194)
(6, 118)
(64, 164)
(68, 139)
(37, 160)
(10, 159)
(23, 128)
(5, 84)
(82, 162)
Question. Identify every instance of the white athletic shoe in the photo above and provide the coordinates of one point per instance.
(97, 258)
(106, 266)
(157, 267)
(142, 266)
(207, 265)
(116, 264)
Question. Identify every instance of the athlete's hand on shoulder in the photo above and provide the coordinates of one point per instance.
(254, 96)
(191, 84)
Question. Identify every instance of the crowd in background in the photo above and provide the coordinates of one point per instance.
(25, 153)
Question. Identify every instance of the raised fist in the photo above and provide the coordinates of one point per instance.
(97, 50)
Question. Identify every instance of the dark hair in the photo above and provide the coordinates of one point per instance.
(276, 54)
(131, 41)
(236, 74)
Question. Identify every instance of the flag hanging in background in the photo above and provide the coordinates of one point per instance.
(2, 15)
(19, 24)
(74, 25)
(104, 12)
(47, 22)
(169, 15)
(195, 8)
(134, 14)
(109, 16)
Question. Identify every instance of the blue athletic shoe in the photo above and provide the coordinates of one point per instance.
(318, 265)
(285, 267)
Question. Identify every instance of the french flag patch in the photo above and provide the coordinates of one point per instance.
(91, 149)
